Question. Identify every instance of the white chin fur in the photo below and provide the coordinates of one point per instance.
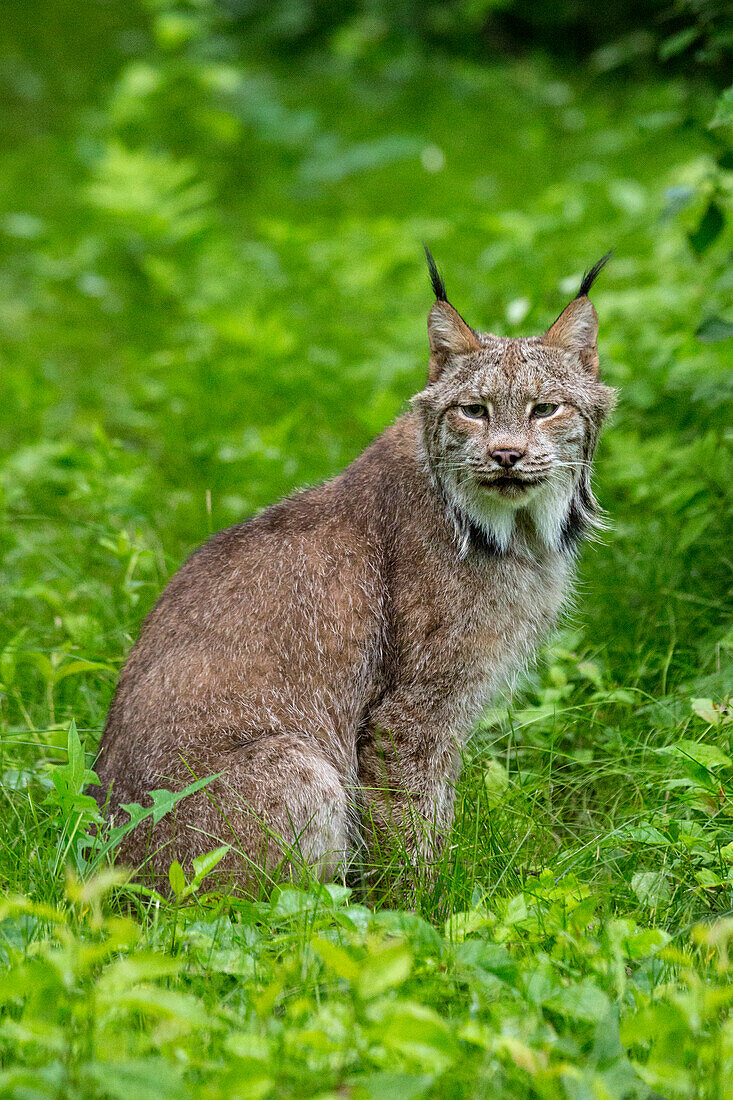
(547, 505)
(549, 510)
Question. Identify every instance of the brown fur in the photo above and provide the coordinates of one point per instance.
(327, 659)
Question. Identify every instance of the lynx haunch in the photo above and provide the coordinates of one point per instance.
(326, 659)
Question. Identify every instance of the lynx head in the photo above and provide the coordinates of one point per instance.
(510, 425)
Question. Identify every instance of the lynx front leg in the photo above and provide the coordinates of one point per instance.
(407, 773)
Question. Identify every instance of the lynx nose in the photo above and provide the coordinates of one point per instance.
(507, 458)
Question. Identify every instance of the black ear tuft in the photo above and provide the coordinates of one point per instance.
(590, 276)
(436, 278)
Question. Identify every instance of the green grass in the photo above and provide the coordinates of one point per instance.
(212, 291)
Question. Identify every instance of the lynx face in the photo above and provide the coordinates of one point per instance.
(510, 426)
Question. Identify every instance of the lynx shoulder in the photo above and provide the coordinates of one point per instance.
(326, 660)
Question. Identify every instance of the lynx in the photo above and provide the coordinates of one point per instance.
(325, 660)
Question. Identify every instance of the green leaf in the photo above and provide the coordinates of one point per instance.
(708, 756)
(708, 878)
(336, 893)
(143, 966)
(243, 1044)
(78, 809)
(491, 958)
(516, 909)
(643, 833)
(584, 1001)
(177, 878)
(460, 925)
(184, 1008)
(713, 329)
(381, 971)
(709, 228)
(589, 670)
(723, 110)
(678, 43)
(289, 901)
(614, 695)
(652, 1021)
(75, 766)
(651, 888)
(633, 942)
(391, 1086)
(496, 783)
(419, 1034)
(707, 710)
(163, 802)
(146, 1079)
(337, 958)
(204, 865)
(75, 668)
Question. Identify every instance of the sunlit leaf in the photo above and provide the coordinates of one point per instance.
(496, 782)
(383, 969)
(337, 958)
(420, 1035)
(176, 878)
(651, 888)
(708, 756)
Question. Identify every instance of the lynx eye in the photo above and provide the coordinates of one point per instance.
(474, 412)
(544, 409)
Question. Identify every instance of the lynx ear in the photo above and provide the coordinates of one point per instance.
(576, 329)
(448, 333)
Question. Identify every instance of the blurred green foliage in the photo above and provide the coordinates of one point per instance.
(212, 291)
(625, 33)
(377, 1001)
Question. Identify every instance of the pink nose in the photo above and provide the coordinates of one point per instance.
(507, 458)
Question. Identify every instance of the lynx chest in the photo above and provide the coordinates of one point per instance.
(467, 636)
